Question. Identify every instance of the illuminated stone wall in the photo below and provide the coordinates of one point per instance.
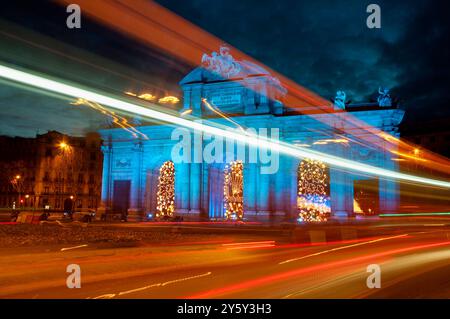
(251, 103)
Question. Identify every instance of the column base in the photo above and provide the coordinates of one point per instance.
(193, 215)
(343, 214)
(279, 216)
(101, 213)
(181, 211)
(262, 216)
(135, 215)
(250, 215)
(188, 215)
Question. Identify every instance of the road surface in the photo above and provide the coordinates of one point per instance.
(414, 263)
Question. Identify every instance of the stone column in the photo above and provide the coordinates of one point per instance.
(281, 190)
(250, 185)
(135, 212)
(105, 204)
(195, 190)
(263, 189)
(389, 197)
(292, 191)
(388, 189)
(182, 189)
(196, 99)
(215, 188)
(341, 192)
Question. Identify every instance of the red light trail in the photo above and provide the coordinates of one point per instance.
(302, 271)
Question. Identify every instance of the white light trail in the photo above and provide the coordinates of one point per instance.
(58, 87)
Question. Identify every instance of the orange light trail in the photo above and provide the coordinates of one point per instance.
(218, 112)
(250, 245)
(118, 120)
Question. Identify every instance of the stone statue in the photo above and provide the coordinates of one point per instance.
(384, 99)
(109, 121)
(136, 120)
(222, 63)
(339, 100)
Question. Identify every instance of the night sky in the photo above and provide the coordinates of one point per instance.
(322, 45)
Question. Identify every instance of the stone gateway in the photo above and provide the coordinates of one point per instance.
(240, 94)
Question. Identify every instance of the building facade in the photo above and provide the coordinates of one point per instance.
(52, 171)
(240, 181)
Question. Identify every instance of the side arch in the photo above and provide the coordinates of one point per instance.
(313, 189)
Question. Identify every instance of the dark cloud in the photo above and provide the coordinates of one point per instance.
(325, 45)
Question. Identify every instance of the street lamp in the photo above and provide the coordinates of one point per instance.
(17, 186)
(63, 145)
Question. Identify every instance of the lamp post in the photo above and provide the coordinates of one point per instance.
(16, 182)
(67, 164)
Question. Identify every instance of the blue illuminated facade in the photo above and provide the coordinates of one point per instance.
(252, 98)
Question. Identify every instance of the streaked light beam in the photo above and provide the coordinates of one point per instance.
(69, 90)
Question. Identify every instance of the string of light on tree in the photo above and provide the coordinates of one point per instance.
(233, 190)
(312, 191)
(166, 190)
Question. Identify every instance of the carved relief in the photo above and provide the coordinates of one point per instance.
(123, 163)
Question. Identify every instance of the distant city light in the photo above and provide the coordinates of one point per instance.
(63, 145)
(169, 99)
(288, 149)
(147, 97)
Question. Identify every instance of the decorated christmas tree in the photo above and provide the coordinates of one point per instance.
(233, 191)
(166, 190)
(312, 191)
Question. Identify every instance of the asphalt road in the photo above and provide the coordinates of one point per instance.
(414, 263)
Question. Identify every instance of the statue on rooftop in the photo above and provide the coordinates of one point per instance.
(339, 100)
(384, 99)
(221, 63)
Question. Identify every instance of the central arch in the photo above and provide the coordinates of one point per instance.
(233, 191)
(313, 200)
(165, 196)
